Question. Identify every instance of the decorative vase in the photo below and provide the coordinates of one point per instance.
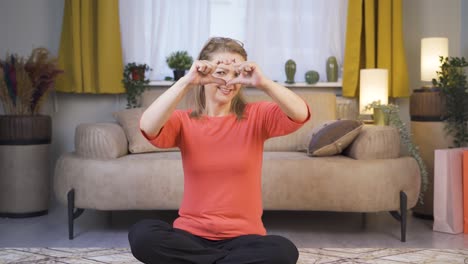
(290, 68)
(380, 118)
(332, 69)
(312, 77)
(138, 73)
(178, 74)
(24, 178)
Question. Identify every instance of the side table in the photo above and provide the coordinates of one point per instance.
(428, 136)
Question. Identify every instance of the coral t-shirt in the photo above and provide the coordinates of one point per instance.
(222, 161)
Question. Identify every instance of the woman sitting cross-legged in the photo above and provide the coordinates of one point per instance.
(221, 142)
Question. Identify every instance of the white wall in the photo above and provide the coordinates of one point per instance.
(25, 24)
(464, 29)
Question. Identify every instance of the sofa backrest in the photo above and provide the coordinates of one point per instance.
(322, 106)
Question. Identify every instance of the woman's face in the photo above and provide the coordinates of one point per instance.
(222, 94)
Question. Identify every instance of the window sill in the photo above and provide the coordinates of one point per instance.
(334, 87)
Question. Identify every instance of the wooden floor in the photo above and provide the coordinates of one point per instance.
(305, 229)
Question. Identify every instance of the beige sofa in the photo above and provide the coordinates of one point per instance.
(112, 168)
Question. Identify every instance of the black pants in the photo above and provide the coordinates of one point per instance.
(154, 241)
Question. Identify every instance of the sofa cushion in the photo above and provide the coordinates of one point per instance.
(100, 141)
(332, 137)
(129, 119)
(375, 142)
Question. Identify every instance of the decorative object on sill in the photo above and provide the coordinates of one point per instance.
(452, 82)
(179, 62)
(290, 69)
(25, 135)
(332, 69)
(391, 113)
(312, 77)
(135, 82)
(373, 87)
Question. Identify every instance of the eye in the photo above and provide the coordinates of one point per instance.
(220, 73)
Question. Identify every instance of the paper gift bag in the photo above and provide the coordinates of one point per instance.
(465, 191)
(448, 190)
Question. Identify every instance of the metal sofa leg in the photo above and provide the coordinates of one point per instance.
(72, 213)
(401, 217)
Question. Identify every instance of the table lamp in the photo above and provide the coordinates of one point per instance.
(373, 86)
(426, 103)
(431, 50)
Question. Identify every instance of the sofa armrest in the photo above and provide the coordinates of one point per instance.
(100, 140)
(375, 142)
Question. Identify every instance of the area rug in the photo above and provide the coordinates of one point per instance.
(307, 255)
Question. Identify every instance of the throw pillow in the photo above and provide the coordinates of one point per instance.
(129, 119)
(332, 137)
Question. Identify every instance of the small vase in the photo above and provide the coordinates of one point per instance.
(290, 68)
(178, 74)
(332, 69)
(138, 74)
(312, 77)
(380, 118)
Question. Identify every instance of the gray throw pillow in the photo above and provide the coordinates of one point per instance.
(332, 137)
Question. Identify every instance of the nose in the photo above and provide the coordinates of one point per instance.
(229, 76)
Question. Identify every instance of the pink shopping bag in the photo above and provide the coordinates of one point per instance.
(448, 190)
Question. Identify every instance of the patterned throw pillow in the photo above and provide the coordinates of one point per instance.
(332, 137)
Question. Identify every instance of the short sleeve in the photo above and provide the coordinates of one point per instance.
(275, 122)
(169, 136)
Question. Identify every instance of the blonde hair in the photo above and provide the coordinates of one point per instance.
(212, 46)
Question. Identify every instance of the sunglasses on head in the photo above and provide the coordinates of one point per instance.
(225, 40)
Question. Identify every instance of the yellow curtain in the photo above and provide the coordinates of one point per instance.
(374, 39)
(90, 48)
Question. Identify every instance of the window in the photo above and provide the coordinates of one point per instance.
(273, 31)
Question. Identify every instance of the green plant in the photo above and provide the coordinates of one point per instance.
(179, 60)
(453, 84)
(135, 82)
(391, 111)
(26, 82)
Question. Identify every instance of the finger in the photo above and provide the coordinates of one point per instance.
(210, 79)
(201, 68)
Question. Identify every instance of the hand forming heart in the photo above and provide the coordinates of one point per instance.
(201, 73)
(248, 74)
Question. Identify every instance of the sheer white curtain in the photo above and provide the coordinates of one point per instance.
(306, 31)
(152, 29)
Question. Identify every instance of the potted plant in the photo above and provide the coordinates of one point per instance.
(135, 82)
(179, 62)
(25, 134)
(390, 116)
(452, 82)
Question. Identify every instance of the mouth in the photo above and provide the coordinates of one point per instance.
(224, 90)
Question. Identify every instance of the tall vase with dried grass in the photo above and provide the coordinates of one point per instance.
(25, 133)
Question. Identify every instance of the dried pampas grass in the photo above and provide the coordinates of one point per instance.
(25, 83)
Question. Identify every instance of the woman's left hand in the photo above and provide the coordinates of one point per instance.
(249, 73)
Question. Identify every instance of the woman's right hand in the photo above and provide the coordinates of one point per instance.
(201, 73)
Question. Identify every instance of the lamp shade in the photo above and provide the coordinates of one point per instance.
(373, 86)
(431, 50)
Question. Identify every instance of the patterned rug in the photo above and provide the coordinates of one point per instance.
(307, 255)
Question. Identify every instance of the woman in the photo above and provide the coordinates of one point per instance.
(221, 142)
